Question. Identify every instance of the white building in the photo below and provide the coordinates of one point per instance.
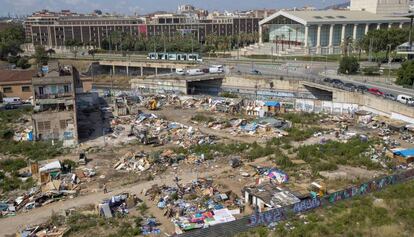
(322, 32)
(384, 7)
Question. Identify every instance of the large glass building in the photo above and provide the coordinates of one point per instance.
(323, 32)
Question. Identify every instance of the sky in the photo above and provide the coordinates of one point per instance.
(24, 7)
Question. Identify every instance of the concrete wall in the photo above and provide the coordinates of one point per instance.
(56, 130)
(159, 85)
(376, 104)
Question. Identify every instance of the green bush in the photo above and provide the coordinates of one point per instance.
(405, 74)
(40, 150)
(348, 65)
(227, 94)
(283, 161)
(12, 165)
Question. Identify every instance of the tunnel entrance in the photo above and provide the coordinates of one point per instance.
(204, 87)
(320, 94)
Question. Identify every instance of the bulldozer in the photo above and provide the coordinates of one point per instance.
(152, 104)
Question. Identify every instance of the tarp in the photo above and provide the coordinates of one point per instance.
(55, 165)
(272, 103)
(405, 153)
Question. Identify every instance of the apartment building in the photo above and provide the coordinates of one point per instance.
(55, 115)
(92, 30)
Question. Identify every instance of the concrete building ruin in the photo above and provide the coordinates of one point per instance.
(55, 116)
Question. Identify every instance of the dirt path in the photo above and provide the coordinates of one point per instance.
(12, 224)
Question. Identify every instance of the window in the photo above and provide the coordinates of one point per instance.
(41, 91)
(64, 123)
(7, 90)
(26, 89)
(66, 88)
(43, 126)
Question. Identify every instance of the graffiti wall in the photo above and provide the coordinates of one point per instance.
(279, 214)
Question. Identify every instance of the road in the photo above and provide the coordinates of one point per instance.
(280, 67)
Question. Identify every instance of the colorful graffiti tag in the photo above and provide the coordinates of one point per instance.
(276, 215)
(306, 205)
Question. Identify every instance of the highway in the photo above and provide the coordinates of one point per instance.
(268, 67)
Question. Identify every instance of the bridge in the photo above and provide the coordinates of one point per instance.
(206, 83)
(155, 64)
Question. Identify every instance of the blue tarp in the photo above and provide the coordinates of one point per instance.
(405, 153)
(272, 103)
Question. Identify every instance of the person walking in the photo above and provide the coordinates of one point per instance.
(104, 188)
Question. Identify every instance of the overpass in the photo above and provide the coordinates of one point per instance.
(156, 64)
(206, 83)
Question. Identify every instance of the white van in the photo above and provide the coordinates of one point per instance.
(12, 100)
(405, 99)
(195, 72)
(216, 69)
(180, 71)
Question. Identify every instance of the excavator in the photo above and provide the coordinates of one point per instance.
(152, 104)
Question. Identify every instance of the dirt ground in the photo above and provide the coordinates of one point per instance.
(104, 153)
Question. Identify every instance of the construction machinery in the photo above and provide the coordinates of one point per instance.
(152, 104)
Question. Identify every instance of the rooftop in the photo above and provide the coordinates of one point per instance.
(16, 76)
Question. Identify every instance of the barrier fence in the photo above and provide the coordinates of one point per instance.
(280, 214)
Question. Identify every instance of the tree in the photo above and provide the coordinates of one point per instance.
(405, 75)
(10, 40)
(348, 65)
(378, 40)
(23, 63)
(41, 55)
(345, 45)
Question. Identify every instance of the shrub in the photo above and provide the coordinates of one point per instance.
(348, 65)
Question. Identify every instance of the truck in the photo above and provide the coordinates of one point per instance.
(195, 72)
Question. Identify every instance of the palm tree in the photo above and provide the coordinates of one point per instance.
(282, 39)
(115, 38)
(290, 31)
(345, 45)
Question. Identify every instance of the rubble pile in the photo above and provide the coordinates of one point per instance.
(56, 182)
(150, 129)
(44, 230)
(133, 162)
(120, 203)
(195, 205)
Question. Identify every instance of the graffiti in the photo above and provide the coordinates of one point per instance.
(279, 214)
(306, 205)
(364, 188)
(265, 218)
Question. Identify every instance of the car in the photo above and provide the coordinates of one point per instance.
(362, 88)
(255, 72)
(327, 80)
(349, 87)
(337, 83)
(405, 99)
(390, 96)
(375, 91)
